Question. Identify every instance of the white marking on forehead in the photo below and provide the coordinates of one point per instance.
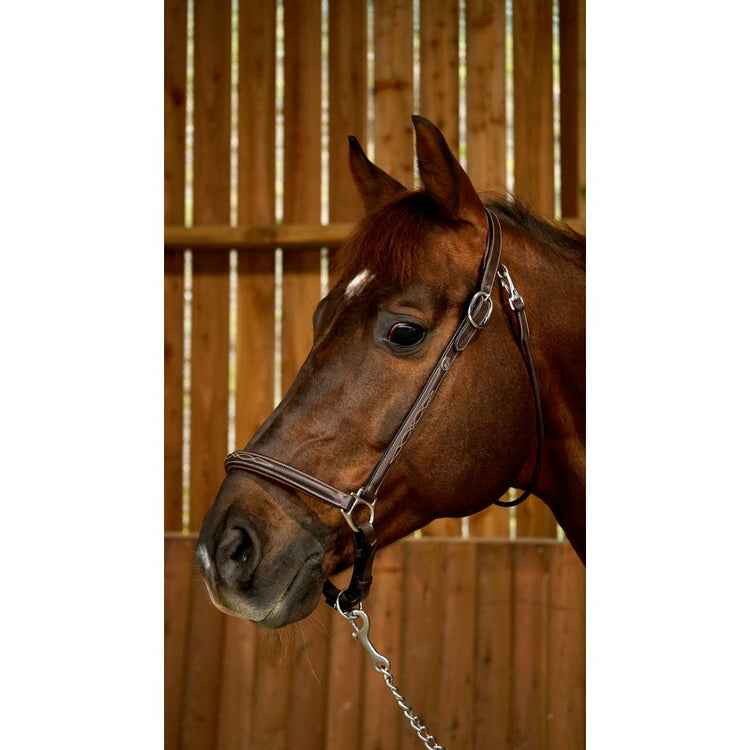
(357, 284)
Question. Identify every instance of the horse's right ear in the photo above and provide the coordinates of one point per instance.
(374, 185)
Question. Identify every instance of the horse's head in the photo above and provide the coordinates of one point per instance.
(407, 275)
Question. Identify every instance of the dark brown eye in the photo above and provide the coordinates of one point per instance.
(406, 334)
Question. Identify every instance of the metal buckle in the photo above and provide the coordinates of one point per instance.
(358, 500)
(515, 300)
(479, 299)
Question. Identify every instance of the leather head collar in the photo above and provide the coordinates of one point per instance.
(477, 316)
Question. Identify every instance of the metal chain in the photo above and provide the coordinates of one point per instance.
(382, 665)
(417, 724)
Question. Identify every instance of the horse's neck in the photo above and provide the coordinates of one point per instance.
(558, 340)
(562, 482)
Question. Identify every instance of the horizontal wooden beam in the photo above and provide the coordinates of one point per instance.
(256, 237)
(288, 236)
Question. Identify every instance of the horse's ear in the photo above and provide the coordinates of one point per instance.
(374, 185)
(444, 178)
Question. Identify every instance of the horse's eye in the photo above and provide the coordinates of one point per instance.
(406, 334)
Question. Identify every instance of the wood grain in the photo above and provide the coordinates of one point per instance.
(486, 125)
(394, 89)
(175, 97)
(255, 342)
(209, 393)
(438, 73)
(533, 105)
(486, 640)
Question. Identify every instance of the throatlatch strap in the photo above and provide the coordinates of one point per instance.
(519, 308)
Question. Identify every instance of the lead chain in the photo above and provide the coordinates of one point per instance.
(417, 724)
(382, 665)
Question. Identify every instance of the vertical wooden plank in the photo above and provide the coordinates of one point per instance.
(533, 105)
(457, 676)
(256, 92)
(494, 645)
(307, 719)
(201, 687)
(530, 645)
(419, 671)
(438, 70)
(301, 292)
(381, 717)
(567, 651)
(535, 519)
(271, 706)
(209, 400)
(174, 352)
(178, 558)
(573, 107)
(175, 95)
(255, 342)
(237, 687)
(210, 336)
(394, 88)
(302, 164)
(256, 108)
(490, 522)
(347, 106)
(175, 98)
(212, 57)
(344, 699)
(486, 125)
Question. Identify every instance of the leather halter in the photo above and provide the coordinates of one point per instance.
(475, 319)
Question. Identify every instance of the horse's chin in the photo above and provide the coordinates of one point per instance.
(283, 601)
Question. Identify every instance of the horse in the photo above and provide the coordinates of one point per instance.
(424, 274)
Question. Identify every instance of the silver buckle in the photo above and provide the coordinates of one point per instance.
(479, 299)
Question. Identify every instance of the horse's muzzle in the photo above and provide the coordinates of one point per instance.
(258, 562)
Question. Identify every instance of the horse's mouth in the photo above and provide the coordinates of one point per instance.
(262, 606)
(300, 597)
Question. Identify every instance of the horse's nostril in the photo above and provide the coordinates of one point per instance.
(240, 545)
(237, 555)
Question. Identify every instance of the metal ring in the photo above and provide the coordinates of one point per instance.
(358, 500)
(337, 606)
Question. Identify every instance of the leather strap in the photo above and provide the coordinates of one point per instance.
(293, 478)
(515, 300)
(477, 315)
(365, 547)
(475, 319)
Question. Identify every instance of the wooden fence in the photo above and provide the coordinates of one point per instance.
(485, 637)
(259, 98)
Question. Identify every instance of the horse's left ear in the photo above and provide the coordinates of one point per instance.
(444, 178)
